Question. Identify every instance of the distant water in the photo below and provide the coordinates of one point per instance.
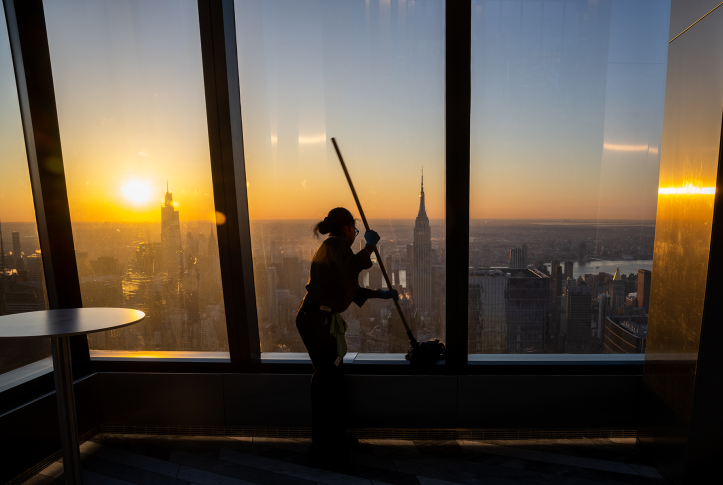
(595, 267)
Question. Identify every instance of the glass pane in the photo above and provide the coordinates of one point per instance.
(567, 111)
(129, 88)
(22, 283)
(370, 74)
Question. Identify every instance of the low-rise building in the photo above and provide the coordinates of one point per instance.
(625, 334)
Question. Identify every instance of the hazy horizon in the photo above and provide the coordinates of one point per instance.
(582, 221)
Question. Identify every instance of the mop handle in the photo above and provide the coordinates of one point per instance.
(366, 225)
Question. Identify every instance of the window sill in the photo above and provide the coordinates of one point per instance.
(296, 358)
(350, 358)
(556, 359)
(159, 356)
(356, 359)
(26, 373)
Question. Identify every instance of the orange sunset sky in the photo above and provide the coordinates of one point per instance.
(129, 90)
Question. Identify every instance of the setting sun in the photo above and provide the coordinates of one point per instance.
(137, 192)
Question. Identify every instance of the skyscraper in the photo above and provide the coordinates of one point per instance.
(273, 288)
(17, 250)
(487, 322)
(2, 249)
(643, 288)
(422, 267)
(557, 288)
(171, 238)
(526, 304)
(568, 269)
(617, 291)
(516, 258)
(589, 280)
(579, 328)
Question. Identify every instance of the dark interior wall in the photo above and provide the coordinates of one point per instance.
(548, 401)
(30, 432)
(275, 400)
(684, 225)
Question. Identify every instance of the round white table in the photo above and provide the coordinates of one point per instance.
(59, 325)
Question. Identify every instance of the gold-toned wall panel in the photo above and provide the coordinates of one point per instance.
(684, 12)
(688, 171)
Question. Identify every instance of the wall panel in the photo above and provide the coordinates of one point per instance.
(267, 400)
(30, 432)
(688, 174)
(548, 401)
(162, 399)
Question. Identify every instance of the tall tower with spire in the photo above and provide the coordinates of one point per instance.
(617, 291)
(2, 249)
(171, 238)
(422, 267)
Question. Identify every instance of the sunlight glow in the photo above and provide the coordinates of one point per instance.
(307, 140)
(137, 192)
(626, 148)
(688, 189)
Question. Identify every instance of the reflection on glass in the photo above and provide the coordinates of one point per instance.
(21, 269)
(689, 170)
(129, 88)
(370, 74)
(567, 109)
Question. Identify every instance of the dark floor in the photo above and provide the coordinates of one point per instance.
(113, 459)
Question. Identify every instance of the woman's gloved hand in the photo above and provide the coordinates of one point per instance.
(371, 237)
(389, 294)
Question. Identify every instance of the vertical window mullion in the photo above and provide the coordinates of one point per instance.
(457, 172)
(36, 97)
(223, 109)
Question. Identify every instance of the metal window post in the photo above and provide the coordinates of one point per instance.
(225, 137)
(457, 75)
(36, 96)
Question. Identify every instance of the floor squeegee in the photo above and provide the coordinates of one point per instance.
(428, 352)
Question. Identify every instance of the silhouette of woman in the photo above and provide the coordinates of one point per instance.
(333, 285)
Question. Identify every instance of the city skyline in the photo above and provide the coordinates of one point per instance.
(566, 121)
(165, 277)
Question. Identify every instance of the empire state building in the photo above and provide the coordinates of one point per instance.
(422, 267)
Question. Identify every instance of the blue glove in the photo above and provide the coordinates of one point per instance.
(371, 237)
(389, 294)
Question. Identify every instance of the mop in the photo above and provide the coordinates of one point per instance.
(428, 352)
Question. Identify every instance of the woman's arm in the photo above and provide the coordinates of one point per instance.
(369, 249)
(348, 264)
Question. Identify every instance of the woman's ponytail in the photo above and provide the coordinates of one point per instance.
(334, 222)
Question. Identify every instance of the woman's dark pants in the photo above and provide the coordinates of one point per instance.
(327, 384)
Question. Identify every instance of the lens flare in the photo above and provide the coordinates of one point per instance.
(687, 189)
(137, 192)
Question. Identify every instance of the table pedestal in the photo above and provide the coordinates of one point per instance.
(63, 373)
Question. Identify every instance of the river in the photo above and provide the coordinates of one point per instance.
(595, 267)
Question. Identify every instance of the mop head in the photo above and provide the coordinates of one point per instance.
(429, 352)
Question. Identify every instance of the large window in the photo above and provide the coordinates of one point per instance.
(567, 110)
(370, 74)
(129, 87)
(21, 268)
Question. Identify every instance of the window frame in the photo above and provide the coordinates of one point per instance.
(222, 94)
